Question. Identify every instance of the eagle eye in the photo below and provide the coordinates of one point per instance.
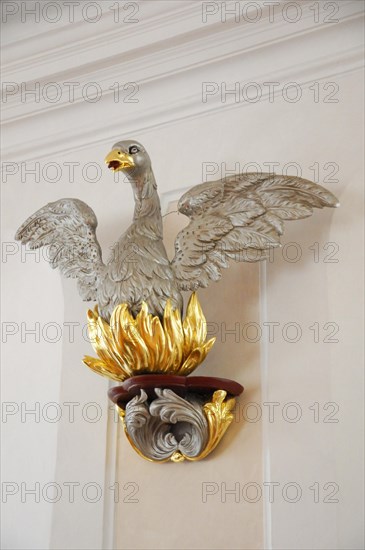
(133, 150)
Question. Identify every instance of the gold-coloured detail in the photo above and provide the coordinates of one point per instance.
(129, 346)
(117, 160)
(219, 417)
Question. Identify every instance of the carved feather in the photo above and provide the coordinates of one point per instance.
(67, 227)
(239, 217)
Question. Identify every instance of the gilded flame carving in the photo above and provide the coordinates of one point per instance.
(145, 344)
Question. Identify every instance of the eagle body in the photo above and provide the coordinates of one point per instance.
(138, 269)
(239, 218)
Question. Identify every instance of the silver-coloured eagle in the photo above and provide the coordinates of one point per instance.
(240, 217)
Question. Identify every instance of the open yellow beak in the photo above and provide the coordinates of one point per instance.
(117, 160)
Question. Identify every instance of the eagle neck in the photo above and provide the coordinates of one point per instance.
(147, 211)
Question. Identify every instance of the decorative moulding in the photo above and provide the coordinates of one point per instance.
(169, 70)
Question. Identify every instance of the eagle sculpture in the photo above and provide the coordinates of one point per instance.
(239, 217)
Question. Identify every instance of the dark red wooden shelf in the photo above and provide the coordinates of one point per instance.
(181, 385)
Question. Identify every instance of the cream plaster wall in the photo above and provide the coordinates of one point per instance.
(295, 295)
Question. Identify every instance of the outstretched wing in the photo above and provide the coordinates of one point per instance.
(240, 217)
(67, 227)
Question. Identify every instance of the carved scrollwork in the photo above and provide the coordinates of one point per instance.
(175, 428)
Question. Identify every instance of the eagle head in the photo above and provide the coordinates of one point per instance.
(130, 157)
